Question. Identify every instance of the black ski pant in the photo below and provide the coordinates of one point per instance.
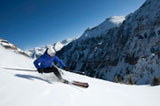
(54, 70)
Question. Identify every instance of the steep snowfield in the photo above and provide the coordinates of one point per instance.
(28, 88)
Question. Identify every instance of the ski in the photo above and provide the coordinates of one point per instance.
(80, 84)
(76, 83)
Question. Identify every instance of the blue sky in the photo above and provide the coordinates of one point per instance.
(31, 23)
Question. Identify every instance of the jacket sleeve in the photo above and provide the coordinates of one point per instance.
(60, 62)
(36, 62)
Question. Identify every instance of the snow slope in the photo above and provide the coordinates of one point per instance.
(28, 88)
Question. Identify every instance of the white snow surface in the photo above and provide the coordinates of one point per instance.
(28, 88)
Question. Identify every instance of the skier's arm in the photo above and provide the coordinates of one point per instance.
(36, 63)
(60, 62)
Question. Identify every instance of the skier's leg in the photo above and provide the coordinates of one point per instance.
(57, 73)
(47, 70)
(53, 69)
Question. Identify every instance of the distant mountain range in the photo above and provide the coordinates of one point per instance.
(37, 51)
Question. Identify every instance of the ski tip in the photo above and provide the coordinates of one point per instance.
(81, 84)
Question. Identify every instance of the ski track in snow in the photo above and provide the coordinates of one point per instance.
(26, 88)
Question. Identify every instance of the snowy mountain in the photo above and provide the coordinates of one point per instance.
(36, 52)
(21, 85)
(129, 53)
(109, 23)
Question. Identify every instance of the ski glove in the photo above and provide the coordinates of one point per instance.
(65, 68)
(40, 70)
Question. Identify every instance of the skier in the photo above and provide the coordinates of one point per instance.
(44, 63)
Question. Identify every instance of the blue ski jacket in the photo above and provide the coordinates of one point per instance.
(45, 61)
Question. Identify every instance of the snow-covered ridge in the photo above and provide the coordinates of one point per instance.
(102, 28)
(6, 44)
(117, 20)
(37, 51)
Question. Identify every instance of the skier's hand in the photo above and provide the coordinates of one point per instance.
(40, 70)
(65, 68)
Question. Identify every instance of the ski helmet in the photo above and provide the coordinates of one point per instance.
(51, 52)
